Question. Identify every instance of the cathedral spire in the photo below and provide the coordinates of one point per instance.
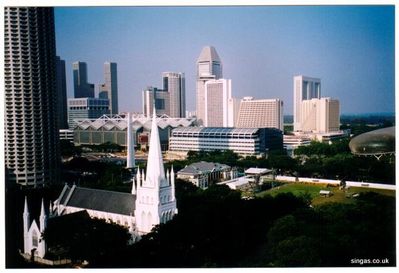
(26, 211)
(43, 218)
(155, 169)
(26, 227)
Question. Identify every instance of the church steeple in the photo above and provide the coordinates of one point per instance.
(42, 218)
(155, 202)
(155, 169)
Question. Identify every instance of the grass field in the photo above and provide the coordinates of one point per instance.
(313, 190)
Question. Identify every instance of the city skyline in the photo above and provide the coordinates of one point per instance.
(350, 48)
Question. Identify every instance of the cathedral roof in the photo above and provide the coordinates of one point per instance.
(100, 200)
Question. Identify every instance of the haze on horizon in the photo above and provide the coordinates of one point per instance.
(351, 48)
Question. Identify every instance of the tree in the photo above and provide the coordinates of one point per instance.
(67, 148)
(81, 238)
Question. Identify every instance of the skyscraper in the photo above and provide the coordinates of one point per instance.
(305, 88)
(171, 100)
(266, 113)
(320, 115)
(82, 89)
(160, 98)
(109, 90)
(174, 83)
(216, 101)
(31, 127)
(102, 91)
(62, 94)
(209, 67)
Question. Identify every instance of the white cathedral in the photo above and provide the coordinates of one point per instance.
(151, 202)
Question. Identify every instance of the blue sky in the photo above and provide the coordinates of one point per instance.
(351, 48)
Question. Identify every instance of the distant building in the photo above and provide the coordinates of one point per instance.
(209, 67)
(86, 108)
(203, 174)
(171, 100)
(245, 141)
(82, 89)
(320, 115)
(158, 97)
(329, 137)
(31, 144)
(252, 176)
(174, 83)
(291, 142)
(62, 94)
(190, 114)
(233, 108)
(113, 129)
(109, 89)
(217, 94)
(102, 91)
(305, 88)
(260, 113)
(66, 134)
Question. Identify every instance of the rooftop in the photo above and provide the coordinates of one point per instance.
(208, 54)
(377, 142)
(214, 131)
(202, 167)
(138, 121)
(259, 171)
(100, 200)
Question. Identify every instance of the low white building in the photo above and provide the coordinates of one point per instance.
(252, 175)
(203, 173)
(244, 141)
(291, 142)
(239, 183)
(66, 134)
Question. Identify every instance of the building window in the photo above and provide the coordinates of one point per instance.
(35, 241)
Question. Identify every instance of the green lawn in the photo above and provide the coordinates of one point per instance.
(313, 190)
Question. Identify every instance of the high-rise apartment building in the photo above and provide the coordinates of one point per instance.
(320, 115)
(174, 84)
(209, 67)
(305, 88)
(109, 90)
(62, 94)
(82, 89)
(216, 97)
(86, 108)
(31, 128)
(266, 113)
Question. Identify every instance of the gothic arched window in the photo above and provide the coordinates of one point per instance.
(35, 239)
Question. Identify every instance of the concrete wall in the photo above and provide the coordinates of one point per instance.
(335, 182)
